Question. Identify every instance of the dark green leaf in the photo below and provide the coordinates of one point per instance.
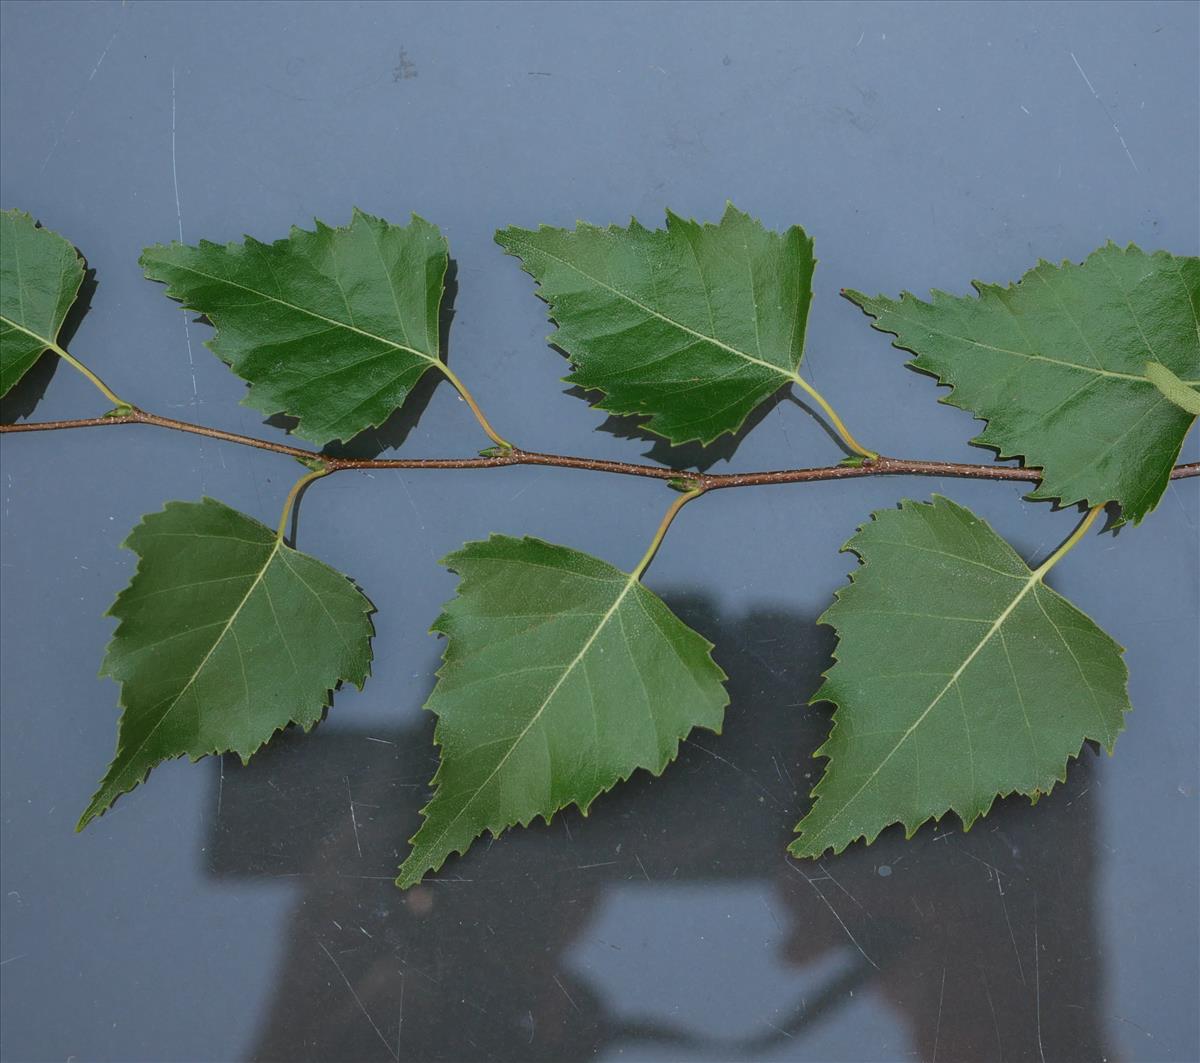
(562, 675)
(1056, 364)
(332, 327)
(693, 325)
(959, 677)
(226, 636)
(40, 275)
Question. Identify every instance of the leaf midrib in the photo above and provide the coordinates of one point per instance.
(305, 310)
(605, 618)
(1024, 354)
(1034, 580)
(789, 374)
(33, 335)
(131, 755)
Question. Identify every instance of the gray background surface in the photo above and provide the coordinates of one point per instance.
(228, 913)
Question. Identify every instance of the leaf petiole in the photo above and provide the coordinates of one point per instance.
(109, 394)
(293, 494)
(838, 425)
(656, 542)
(461, 388)
(1072, 539)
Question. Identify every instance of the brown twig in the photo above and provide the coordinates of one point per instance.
(707, 481)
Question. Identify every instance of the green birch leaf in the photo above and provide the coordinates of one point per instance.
(40, 275)
(693, 325)
(561, 676)
(226, 636)
(959, 677)
(332, 327)
(1056, 365)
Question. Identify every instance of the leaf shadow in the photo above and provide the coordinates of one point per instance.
(532, 933)
(21, 401)
(821, 421)
(698, 456)
(391, 435)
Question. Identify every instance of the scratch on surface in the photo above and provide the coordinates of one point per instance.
(937, 1033)
(777, 771)
(833, 910)
(992, 869)
(779, 1029)
(381, 741)
(564, 992)
(641, 865)
(1079, 795)
(1037, 981)
(1186, 516)
(13, 959)
(1013, 938)
(1107, 113)
(78, 100)
(187, 328)
(987, 992)
(400, 1020)
(417, 514)
(1130, 1022)
(730, 763)
(395, 1054)
(841, 887)
(771, 913)
(791, 781)
(220, 785)
(353, 817)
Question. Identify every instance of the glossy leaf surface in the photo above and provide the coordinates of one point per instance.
(693, 325)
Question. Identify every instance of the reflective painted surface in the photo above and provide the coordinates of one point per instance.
(223, 912)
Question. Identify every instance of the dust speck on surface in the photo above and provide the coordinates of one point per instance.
(405, 69)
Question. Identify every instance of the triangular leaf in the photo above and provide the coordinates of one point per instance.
(562, 675)
(332, 327)
(693, 325)
(959, 677)
(40, 275)
(226, 636)
(1056, 364)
